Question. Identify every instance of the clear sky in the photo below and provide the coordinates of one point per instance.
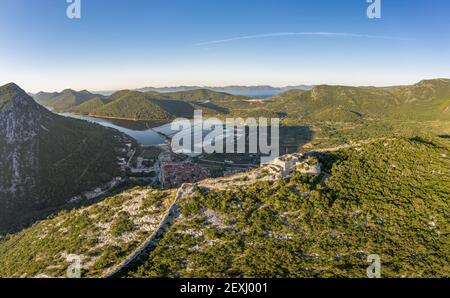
(136, 43)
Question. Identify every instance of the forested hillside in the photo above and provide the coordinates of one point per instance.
(390, 198)
(387, 197)
(46, 159)
(102, 235)
(424, 101)
(66, 100)
(427, 100)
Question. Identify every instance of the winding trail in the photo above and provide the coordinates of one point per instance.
(241, 179)
(151, 242)
(172, 213)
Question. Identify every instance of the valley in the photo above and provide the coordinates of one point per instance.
(47, 159)
(424, 101)
(256, 148)
(163, 214)
(365, 200)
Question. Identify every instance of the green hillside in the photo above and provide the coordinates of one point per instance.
(88, 106)
(389, 198)
(427, 100)
(136, 105)
(103, 235)
(47, 159)
(132, 105)
(201, 95)
(8, 93)
(175, 108)
(44, 98)
(66, 100)
(211, 103)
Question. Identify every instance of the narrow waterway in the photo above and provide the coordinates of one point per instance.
(142, 131)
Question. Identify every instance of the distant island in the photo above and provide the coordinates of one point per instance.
(261, 91)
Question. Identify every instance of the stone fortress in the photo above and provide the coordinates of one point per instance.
(287, 164)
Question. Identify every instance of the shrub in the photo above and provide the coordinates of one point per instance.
(122, 225)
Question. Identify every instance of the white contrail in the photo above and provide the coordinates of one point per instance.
(279, 34)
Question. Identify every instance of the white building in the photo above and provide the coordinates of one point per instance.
(291, 162)
(287, 163)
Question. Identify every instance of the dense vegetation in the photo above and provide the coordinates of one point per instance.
(384, 191)
(389, 198)
(249, 91)
(132, 105)
(426, 100)
(127, 104)
(66, 100)
(88, 106)
(102, 235)
(332, 134)
(47, 159)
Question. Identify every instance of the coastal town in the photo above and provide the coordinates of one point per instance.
(160, 167)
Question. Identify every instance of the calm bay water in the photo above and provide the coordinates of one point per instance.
(141, 131)
(148, 133)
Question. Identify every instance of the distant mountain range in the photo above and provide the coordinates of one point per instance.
(135, 105)
(428, 99)
(378, 192)
(65, 100)
(262, 91)
(46, 159)
(387, 196)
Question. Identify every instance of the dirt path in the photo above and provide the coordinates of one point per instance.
(148, 245)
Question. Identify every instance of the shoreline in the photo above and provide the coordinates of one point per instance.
(120, 118)
(165, 140)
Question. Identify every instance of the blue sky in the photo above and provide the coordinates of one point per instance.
(136, 43)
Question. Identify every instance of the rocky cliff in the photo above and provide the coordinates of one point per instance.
(45, 159)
